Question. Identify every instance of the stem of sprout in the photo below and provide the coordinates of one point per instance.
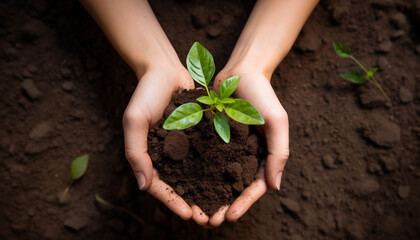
(373, 81)
(207, 89)
(66, 190)
(358, 63)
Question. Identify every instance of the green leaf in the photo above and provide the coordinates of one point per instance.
(206, 100)
(214, 95)
(184, 116)
(222, 127)
(243, 112)
(371, 72)
(219, 107)
(228, 86)
(200, 64)
(227, 100)
(342, 50)
(354, 75)
(78, 167)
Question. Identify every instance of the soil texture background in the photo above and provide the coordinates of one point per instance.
(353, 172)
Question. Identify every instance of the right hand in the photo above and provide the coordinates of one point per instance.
(147, 104)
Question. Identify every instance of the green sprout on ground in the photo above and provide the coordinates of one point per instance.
(357, 75)
(201, 66)
(110, 205)
(77, 170)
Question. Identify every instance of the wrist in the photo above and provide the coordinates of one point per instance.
(244, 68)
(158, 62)
(167, 75)
(248, 65)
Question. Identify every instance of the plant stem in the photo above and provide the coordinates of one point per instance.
(358, 63)
(66, 190)
(129, 213)
(374, 82)
(207, 89)
(106, 203)
(212, 114)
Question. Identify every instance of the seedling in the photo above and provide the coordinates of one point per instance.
(77, 170)
(201, 66)
(357, 75)
(110, 205)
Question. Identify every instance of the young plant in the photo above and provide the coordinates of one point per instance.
(110, 205)
(77, 170)
(201, 66)
(357, 75)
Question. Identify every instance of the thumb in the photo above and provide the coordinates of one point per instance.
(277, 135)
(135, 141)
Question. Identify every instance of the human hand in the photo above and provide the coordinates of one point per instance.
(142, 112)
(255, 88)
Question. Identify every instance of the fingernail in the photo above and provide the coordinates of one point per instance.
(278, 180)
(141, 180)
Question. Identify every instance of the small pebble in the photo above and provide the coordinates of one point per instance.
(328, 161)
(291, 205)
(213, 31)
(398, 20)
(384, 47)
(200, 17)
(405, 95)
(389, 163)
(67, 86)
(31, 89)
(397, 34)
(403, 191)
(367, 186)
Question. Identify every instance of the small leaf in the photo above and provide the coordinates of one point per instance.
(371, 72)
(206, 100)
(200, 64)
(213, 95)
(219, 107)
(184, 116)
(222, 127)
(243, 112)
(228, 86)
(227, 100)
(354, 75)
(78, 167)
(342, 50)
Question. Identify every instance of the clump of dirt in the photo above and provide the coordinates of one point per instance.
(196, 162)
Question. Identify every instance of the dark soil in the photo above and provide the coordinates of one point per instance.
(354, 167)
(196, 162)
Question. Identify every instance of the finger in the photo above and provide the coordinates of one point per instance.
(198, 215)
(135, 140)
(277, 135)
(186, 81)
(248, 197)
(167, 196)
(218, 217)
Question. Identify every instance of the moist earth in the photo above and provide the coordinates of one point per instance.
(198, 164)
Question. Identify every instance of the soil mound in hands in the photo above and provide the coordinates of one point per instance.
(198, 165)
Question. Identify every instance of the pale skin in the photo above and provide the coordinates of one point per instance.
(270, 32)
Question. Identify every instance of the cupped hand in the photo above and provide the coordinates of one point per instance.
(147, 104)
(256, 88)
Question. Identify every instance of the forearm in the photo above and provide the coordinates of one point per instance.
(134, 31)
(269, 34)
